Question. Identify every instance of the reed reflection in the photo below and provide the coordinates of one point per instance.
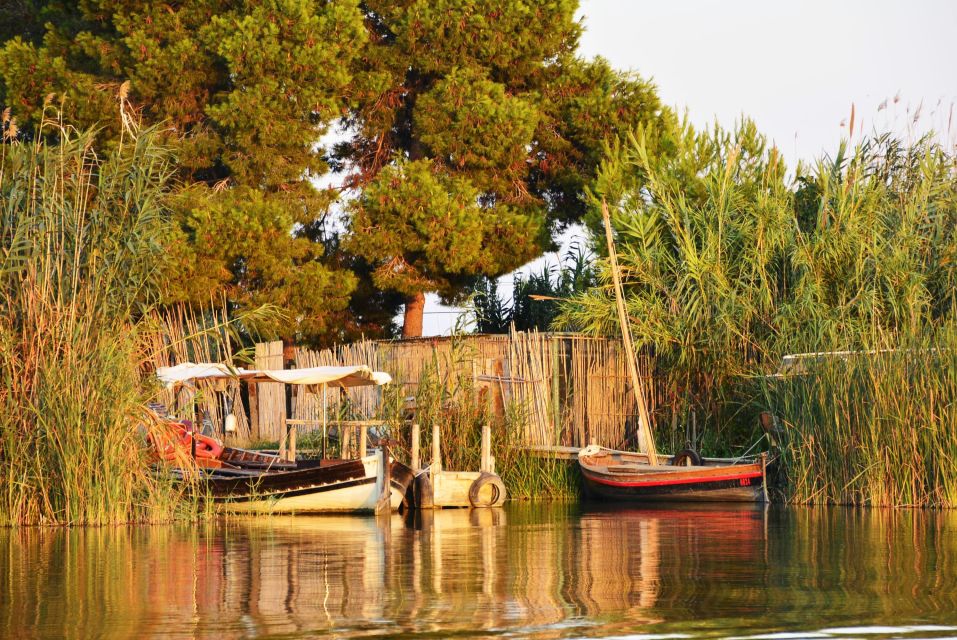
(544, 570)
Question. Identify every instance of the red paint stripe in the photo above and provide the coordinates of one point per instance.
(663, 483)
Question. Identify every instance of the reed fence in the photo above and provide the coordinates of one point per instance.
(571, 389)
(185, 336)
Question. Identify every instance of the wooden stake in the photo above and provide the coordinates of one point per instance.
(436, 450)
(384, 504)
(486, 449)
(345, 435)
(415, 448)
(646, 440)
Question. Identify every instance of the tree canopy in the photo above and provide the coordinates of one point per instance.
(475, 129)
(472, 130)
(243, 90)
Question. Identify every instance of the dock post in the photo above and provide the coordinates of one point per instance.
(415, 448)
(384, 506)
(291, 451)
(485, 465)
(436, 450)
(345, 442)
(284, 439)
(363, 436)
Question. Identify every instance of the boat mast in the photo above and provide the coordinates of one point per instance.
(646, 439)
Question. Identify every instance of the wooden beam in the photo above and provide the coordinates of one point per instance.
(415, 448)
(646, 439)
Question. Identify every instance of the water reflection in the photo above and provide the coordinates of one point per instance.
(544, 570)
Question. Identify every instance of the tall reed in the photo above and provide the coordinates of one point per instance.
(873, 428)
(731, 263)
(451, 401)
(81, 244)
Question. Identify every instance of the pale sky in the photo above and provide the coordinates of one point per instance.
(794, 67)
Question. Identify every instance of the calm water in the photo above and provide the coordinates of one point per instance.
(542, 571)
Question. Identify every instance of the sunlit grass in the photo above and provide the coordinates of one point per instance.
(80, 249)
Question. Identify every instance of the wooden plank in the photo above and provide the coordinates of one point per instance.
(546, 451)
(271, 395)
(646, 438)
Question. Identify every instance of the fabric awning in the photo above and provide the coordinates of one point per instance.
(356, 376)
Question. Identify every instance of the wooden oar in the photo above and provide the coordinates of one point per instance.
(646, 440)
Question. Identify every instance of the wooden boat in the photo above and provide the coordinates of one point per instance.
(253, 481)
(312, 486)
(622, 476)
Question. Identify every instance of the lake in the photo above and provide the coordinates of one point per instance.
(540, 571)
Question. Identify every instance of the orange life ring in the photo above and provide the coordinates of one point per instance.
(206, 447)
(181, 439)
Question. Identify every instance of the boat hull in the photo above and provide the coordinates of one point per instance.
(328, 486)
(608, 476)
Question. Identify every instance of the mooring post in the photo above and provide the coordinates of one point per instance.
(284, 439)
(345, 437)
(291, 451)
(415, 448)
(384, 506)
(436, 450)
(486, 449)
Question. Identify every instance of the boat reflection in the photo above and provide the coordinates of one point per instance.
(541, 568)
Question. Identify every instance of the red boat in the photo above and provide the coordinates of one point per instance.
(622, 476)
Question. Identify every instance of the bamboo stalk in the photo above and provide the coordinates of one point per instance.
(646, 441)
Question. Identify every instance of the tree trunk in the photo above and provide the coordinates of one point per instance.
(412, 323)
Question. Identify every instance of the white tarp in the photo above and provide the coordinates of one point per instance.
(356, 376)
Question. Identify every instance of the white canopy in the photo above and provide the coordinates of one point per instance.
(356, 376)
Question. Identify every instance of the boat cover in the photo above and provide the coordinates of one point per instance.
(355, 376)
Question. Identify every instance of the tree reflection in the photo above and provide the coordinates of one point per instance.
(543, 569)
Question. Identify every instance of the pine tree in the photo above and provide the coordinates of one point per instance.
(476, 130)
(244, 90)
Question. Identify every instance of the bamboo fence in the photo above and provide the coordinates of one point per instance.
(572, 390)
(187, 337)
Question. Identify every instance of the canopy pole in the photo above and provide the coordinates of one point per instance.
(646, 440)
(324, 411)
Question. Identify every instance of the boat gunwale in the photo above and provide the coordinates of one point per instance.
(622, 470)
(680, 475)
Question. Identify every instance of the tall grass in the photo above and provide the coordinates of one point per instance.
(81, 244)
(731, 262)
(452, 402)
(873, 428)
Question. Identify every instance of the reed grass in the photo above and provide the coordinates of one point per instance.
(445, 395)
(81, 244)
(871, 428)
(731, 261)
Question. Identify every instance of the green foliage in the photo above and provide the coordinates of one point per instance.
(536, 297)
(249, 231)
(872, 428)
(78, 256)
(489, 99)
(471, 124)
(244, 90)
(434, 230)
(728, 265)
